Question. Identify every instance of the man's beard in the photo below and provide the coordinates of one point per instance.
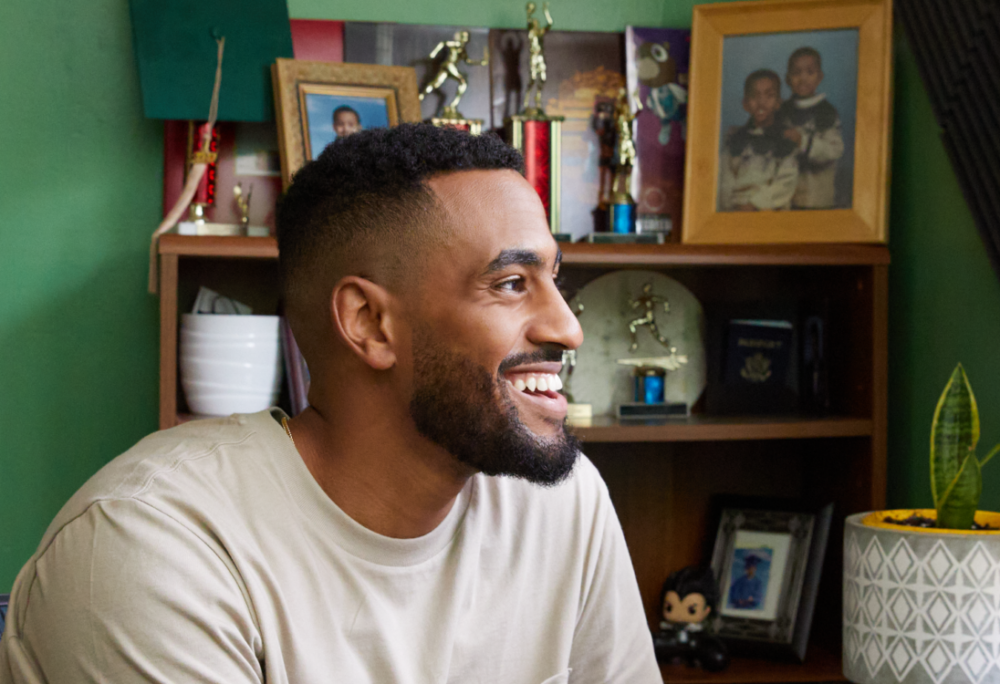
(459, 406)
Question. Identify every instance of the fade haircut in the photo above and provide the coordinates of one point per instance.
(364, 208)
(806, 52)
(760, 75)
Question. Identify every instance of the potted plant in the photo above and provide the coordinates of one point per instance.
(922, 587)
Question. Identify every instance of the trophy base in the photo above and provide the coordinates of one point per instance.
(621, 218)
(472, 126)
(579, 415)
(650, 411)
(206, 228)
(626, 238)
(563, 237)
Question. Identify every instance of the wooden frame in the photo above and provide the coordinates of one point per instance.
(865, 220)
(294, 81)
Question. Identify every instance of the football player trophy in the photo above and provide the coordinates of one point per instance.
(456, 54)
(537, 135)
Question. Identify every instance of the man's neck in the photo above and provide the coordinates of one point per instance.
(391, 482)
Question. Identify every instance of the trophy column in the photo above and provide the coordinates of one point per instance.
(539, 139)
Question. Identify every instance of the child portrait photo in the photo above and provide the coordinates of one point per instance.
(789, 103)
(753, 580)
(332, 116)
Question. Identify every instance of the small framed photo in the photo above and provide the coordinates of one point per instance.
(789, 115)
(768, 562)
(317, 102)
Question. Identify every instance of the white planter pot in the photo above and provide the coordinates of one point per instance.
(921, 606)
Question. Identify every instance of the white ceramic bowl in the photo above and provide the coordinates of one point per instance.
(230, 364)
(223, 404)
(228, 387)
(250, 375)
(222, 324)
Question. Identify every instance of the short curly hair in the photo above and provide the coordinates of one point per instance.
(363, 207)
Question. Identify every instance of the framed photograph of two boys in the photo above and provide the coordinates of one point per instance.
(788, 122)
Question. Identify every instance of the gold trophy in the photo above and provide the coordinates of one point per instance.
(622, 214)
(457, 53)
(536, 135)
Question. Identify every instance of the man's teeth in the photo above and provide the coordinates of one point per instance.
(542, 382)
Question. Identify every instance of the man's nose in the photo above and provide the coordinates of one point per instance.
(555, 323)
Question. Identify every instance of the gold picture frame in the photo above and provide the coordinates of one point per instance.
(715, 86)
(305, 94)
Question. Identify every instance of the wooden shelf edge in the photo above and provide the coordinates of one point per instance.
(821, 665)
(698, 429)
(219, 246)
(585, 254)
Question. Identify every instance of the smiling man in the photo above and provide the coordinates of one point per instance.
(427, 519)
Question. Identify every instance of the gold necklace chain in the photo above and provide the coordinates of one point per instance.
(284, 424)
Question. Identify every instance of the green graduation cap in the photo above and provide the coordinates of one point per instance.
(176, 51)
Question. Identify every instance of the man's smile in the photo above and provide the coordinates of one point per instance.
(535, 388)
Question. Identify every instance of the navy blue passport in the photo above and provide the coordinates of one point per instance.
(758, 353)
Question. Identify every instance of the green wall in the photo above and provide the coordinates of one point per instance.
(80, 186)
(80, 180)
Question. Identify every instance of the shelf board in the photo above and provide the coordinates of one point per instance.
(821, 665)
(585, 254)
(723, 428)
(219, 246)
(703, 429)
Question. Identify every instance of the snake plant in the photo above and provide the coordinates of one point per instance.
(956, 473)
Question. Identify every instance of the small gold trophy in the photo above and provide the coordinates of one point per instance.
(457, 53)
(622, 214)
(537, 135)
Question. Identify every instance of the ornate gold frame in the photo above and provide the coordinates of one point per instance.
(294, 79)
(866, 220)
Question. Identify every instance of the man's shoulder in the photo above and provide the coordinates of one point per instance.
(185, 458)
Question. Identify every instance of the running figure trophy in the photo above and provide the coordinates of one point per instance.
(537, 135)
(456, 54)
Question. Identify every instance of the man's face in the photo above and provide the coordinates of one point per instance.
(489, 329)
(751, 570)
(345, 123)
(762, 101)
(804, 76)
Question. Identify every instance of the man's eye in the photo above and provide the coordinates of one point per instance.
(513, 284)
(692, 610)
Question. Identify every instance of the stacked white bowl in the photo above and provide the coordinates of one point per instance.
(230, 364)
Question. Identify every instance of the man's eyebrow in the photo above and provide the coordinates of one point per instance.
(514, 257)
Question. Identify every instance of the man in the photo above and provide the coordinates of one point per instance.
(396, 530)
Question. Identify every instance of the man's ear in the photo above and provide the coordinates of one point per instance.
(363, 318)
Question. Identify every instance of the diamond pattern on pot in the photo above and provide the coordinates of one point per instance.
(874, 558)
(939, 612)
(979, 565)
(901, 609)
(977, 614)
(903, 560)
(938, 661)
(975, 662)
(901, 658)
(940, 563)
(924, 611)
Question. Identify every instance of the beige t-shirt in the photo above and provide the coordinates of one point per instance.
(208, 553)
